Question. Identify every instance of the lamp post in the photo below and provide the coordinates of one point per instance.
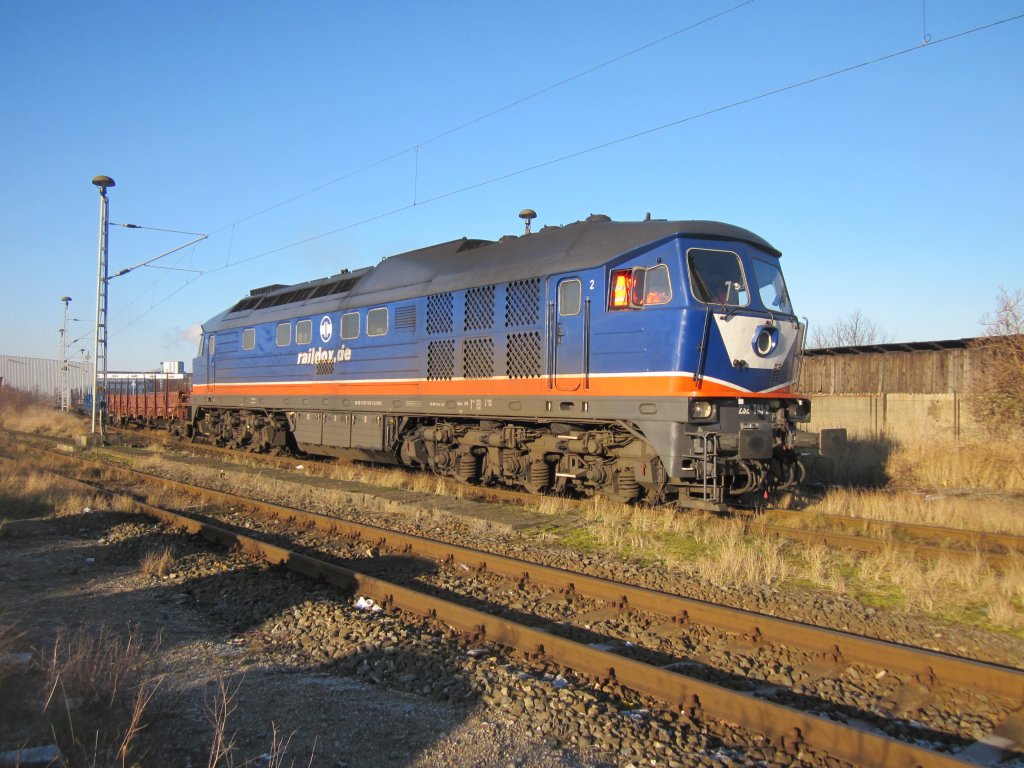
(100, 343)
(65, 391)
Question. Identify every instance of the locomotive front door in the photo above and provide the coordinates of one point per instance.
(569, 335)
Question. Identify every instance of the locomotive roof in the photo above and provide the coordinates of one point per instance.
(465, 263)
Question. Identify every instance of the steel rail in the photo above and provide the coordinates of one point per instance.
(979, 540)
(834, 646)
(790, 728)
(849, 541)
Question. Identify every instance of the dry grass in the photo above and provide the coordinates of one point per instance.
(990, 513)
(952, 589)
(36, 419)
(220, 705)
(11, 639)
(99, 685)
(995, 465)
(934, 463)
(729, 557)
(27, 492)
(716, 550)
(157, 562)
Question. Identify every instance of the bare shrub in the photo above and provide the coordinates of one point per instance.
(996, 390)
(14, 401)
(220, 705)
(855, 330)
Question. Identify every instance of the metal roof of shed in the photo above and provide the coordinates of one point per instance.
(900, 346)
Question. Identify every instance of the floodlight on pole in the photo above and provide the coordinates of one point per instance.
(100, 341)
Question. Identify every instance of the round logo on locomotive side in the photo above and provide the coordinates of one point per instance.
(326, 329)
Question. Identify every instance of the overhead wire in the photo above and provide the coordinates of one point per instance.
(473, 121)
(629, 137)
(931, 44)
(479, 118)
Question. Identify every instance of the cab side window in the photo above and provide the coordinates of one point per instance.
(657, 285)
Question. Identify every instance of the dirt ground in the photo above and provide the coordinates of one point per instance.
(77, 573)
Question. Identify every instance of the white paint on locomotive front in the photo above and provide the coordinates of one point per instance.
(739, 333)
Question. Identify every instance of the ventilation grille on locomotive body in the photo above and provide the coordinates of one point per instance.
(475, 357)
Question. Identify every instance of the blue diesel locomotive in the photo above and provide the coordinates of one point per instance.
(647, 360)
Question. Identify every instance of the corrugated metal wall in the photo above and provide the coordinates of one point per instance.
(41, 376)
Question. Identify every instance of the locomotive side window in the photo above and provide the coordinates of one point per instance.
(249, 338)
(211, 344)
(771, 287)
(377, 321)
(284, 334)
(717, 277)
(303, 331)
(350, 325)
(570, 297)
(640, 286)
(657, 285)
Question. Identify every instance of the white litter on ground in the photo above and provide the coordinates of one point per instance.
(367, 604)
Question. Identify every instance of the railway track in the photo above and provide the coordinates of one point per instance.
(855, 534)
(653, 668)
(860, 534)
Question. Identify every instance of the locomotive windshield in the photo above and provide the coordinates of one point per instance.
(771, 287)
(717, 277)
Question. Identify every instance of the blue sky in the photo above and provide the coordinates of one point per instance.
(893, 189)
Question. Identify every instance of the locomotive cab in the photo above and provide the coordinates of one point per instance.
(743, 439)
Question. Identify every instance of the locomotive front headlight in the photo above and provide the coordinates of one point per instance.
(701, 409)
(766, 338)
